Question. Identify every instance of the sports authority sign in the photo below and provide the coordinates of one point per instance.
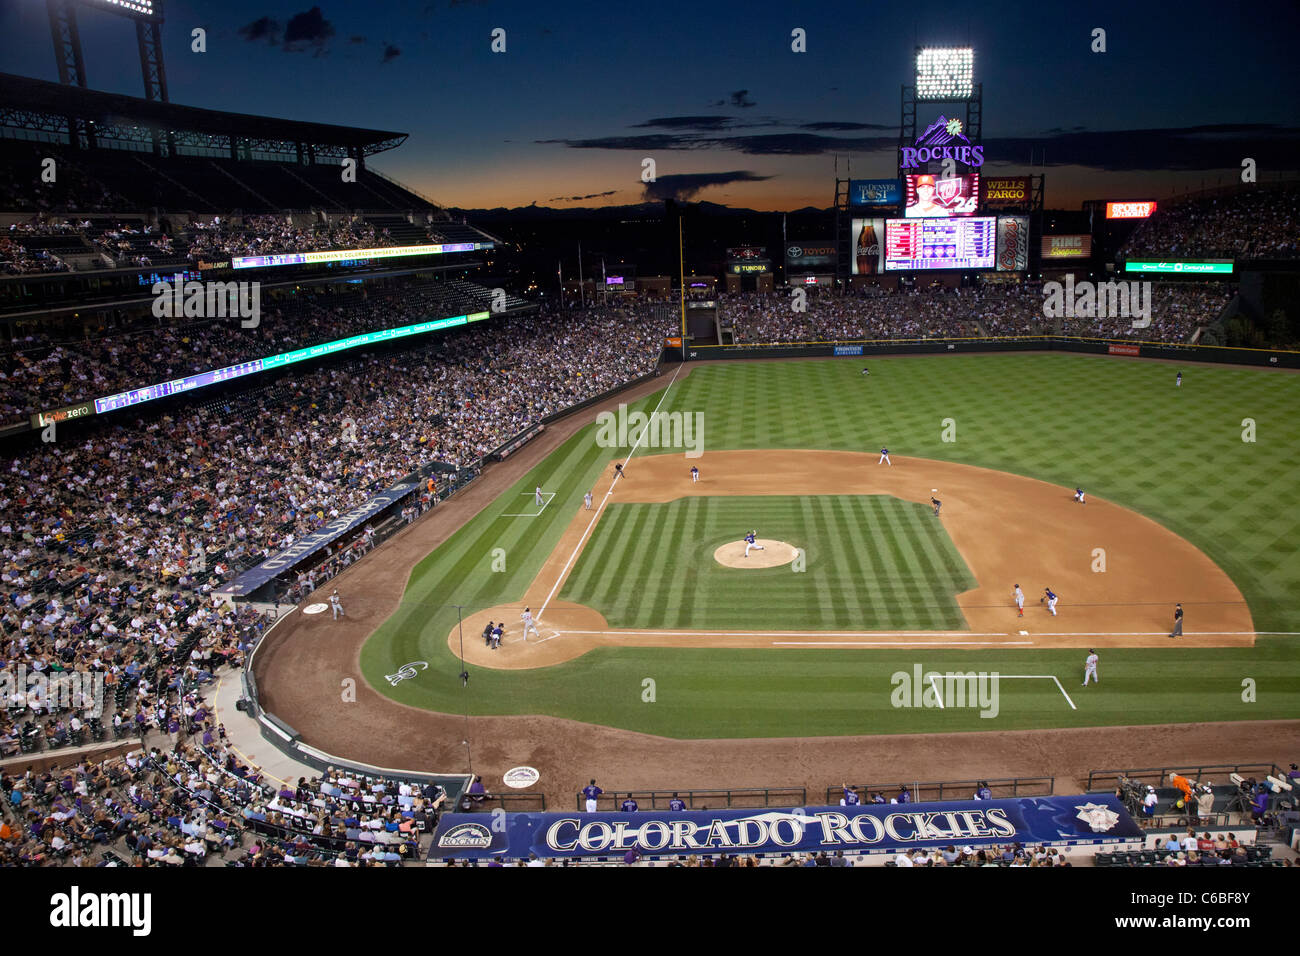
(1007, 192)
(1013, 243)
(1130, 210)
(942, 139)
(1086, 819)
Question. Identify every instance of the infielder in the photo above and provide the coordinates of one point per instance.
(586, 500)
(1078, 495)
(618, 471)
(1090, 668)
(539, 496)
(336, 604)
(1020, 602)
(527, 618)
(751, 542)
(884, 458)
(591, 792)
(695, 474)
(1178, 621)
(1051, 600)
(937, 503)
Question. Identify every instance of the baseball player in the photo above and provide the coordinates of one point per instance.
(336, 604)
(1178, 380)
(527, 618)
(695, 474)
(884, 458)
(591, 792)
(1178, 621)
(1020, 602)
(1051, 600)
(618, 471)
(628, 805)
(676, 804)
(1090, 668)
(1078, 495)
(851, 798)
(937, 503)
(586, 500)
(497, 632)
(864, 370)
(539, 496)
(751, 542)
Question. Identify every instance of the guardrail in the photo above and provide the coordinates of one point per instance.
(1158, 776)
(517, 801)
(702, 799)
(940, 791)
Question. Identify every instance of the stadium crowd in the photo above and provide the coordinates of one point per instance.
(1261, 223)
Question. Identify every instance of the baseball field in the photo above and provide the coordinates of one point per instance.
(649, 620)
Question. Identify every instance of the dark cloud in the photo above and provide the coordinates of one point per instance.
(659, 141)
(308, 30)
(356, 39)
(1181, 149)
(683, 186)
(836, 126)
(607, 192)
(741, 98)
(391, 53)
(687, 122)
(263, 28)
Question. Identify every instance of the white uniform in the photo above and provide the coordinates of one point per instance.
(527, 618)
(587, 500)
(884, 458)
(1051, 605)
(750, 543)
(1020, 601)
(1078, 496)
(337, 605)
(1090, 669)
(695, 474)
(539, 495)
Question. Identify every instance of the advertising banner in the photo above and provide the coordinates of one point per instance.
(1193, 267)
(875, 192)
(742, 253)
(868, 247)
(943, 139)
(1013, 243)
(1067, 247)
(1124, 350)
(812, 256)
(1008, 192)
(1086, 819)
(1130, 210)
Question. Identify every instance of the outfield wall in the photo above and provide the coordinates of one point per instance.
(1173, 351)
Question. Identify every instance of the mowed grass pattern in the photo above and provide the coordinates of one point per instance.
(871, 562)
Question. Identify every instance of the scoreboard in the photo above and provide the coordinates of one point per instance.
(940, 243)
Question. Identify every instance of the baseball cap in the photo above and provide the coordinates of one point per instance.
(925, 180)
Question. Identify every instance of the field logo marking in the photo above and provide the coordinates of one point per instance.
(406, 672)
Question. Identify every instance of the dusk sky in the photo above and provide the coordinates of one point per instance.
(714, 94)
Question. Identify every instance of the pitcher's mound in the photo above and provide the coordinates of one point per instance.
(773, 555)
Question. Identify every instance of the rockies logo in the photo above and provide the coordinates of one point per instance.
(406, 672)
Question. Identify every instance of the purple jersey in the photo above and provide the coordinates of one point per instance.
(592, 792)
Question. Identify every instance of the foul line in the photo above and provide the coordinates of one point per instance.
(1051, 677)
(902, 643)
(937, 695)
(578, 547)
(548, 495)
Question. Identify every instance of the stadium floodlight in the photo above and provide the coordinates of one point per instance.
(146, 9)
(945, 73)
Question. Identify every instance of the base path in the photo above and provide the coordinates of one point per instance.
(1009, 529)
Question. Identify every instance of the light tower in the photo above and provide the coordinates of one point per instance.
(148, 18)
(943, 75)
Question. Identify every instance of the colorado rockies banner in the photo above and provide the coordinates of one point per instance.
(304, 547)
(1091, 818)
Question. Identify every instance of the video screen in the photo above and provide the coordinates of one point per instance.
(939, 197)
(940, 244)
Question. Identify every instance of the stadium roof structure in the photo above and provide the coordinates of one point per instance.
(82, 118)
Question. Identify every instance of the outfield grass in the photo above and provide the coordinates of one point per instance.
(894, 566)
(1118, 427)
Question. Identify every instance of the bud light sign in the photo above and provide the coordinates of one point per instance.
(942, 139)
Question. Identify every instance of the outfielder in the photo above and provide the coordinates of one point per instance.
(751, 542)
(336, 604)
(884, 458)
(1090, 668)
(1051, 600)
(1178, 380)
(527, 618)
(1020, 602)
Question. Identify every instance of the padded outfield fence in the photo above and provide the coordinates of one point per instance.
(702, 799)
(940, 791)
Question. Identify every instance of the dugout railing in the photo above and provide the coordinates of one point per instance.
(940, 791)
(702, 799)
(1158, 777)
(518, 801)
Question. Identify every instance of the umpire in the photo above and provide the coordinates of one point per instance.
(1178, 621)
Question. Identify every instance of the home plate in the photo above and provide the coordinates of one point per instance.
(934, 490)
(1024, 633)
